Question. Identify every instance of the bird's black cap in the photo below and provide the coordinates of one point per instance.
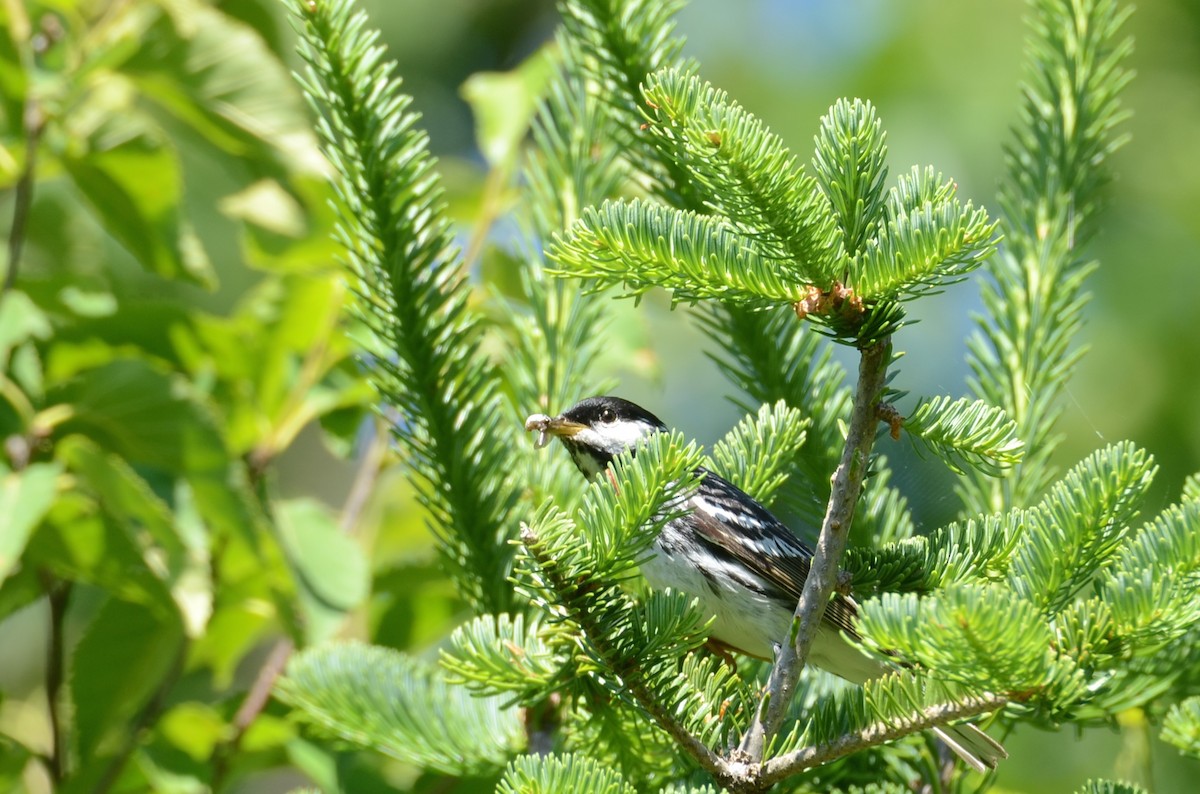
(598, 410)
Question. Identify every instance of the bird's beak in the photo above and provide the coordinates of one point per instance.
(547, 426)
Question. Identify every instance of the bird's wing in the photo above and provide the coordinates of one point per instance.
(726, 517)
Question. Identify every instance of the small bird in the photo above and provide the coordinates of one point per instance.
(742, 565)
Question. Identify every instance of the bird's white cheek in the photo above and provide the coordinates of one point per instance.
(614, 439)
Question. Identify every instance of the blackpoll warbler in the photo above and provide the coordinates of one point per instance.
(744, 567)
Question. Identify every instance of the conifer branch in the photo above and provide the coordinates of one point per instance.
(631, 680)
(1020, 358)
(423, 353)
(776, 769)
(642, 245)
(822, 577)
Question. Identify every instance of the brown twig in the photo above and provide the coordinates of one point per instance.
(364, 477)
(253, 704)
(823, 575)
(878, 733)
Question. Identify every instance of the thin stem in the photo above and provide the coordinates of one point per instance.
(364, 478)
(253, 704)
(877, 733)
(822, 577)
(32, 124)
(58, 594)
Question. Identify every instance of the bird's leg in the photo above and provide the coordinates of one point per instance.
(723, 651)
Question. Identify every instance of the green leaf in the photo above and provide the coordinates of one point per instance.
(1110, 787)
(25, 498)
(620, 523)
(614, 47)
(921, 248)
(1080, 524)
(977, 549)
(398, 705)
(122, 658)
(640, 245)
(155, 419)
(423, 333)
(216, 75)
(283, 360)
(1151, 581)
(966, 433)
(82, 542)
(1191, 487)
(502, 653)
(128, 499)
(1181, 726)
(195, 728)
(981, 635)
(132, 182)
(744, 171)
(850, 166)
(757, 454)
(503, 104)
(1026, 348)
(330, 567)
(20, 320)
(561, 774)
(173, 546)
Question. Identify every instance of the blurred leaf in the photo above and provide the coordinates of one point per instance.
(217, 76)
(20, 319)
(332, 572)
(305, 242)
(82, 542)
(266, 205)
(414, 605)
(278, 362)
(195, 728)
(154, 419)
(134, 186)
(503, 104)
(149, 328)
(127, 497)
(25, 498)
(151, 526)
(14, 80)
(143, 414)
(120, 661)
(18, 591)
(1181, 727)
(232, 632)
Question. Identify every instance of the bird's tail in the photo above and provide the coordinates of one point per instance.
(972, 745)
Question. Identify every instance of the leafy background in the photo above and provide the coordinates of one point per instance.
(943, 77)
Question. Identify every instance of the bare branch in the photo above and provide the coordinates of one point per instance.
(822, 577)
(877, 733)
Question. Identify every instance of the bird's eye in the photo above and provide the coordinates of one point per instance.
(608, 416)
